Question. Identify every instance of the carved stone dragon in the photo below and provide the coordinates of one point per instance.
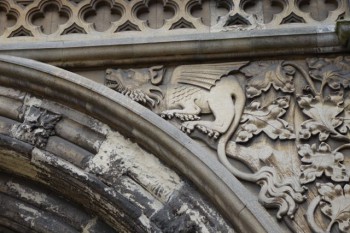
(197, 90)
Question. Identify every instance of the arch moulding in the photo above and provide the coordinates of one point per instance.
(39, 85)
(174, 116)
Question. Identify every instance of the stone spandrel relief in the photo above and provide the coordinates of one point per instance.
(288, 121)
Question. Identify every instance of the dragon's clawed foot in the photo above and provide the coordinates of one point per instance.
(187, 127)
(187, 117)
(167, 115)
(211, 133)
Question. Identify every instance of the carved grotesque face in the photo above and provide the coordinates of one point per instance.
(126, 79)
(137, 84)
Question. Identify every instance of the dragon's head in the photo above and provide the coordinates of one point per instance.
(140, 85)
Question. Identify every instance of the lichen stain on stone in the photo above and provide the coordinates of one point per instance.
(145, 222)
(195, 217)
(89, 225)
(119, 156)
(96, 144)
(37, 197)
(29, 214)
(32, 101)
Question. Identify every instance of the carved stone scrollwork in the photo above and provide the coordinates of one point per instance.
(308, 113)
(38, 125)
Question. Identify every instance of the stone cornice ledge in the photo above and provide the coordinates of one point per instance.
(296, 40)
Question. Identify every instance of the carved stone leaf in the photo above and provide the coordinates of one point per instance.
(266, 74)
(345, 127)
(323, 116)
(334, 72)
(335, 204)
(321, 161)
(257, 119)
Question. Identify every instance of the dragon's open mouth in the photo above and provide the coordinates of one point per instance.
(136, 95)
(114, 84)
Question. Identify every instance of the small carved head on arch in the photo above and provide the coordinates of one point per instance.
(140, 85)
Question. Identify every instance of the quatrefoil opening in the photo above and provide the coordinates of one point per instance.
(102, 14)
(155, 12)
(8, 18)
(263, 11)
(318, 9)
(50, 16)
(201, 10)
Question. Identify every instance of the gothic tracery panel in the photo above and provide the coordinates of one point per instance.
(44, 18)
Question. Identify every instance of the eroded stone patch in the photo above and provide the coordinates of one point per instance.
(118, 156)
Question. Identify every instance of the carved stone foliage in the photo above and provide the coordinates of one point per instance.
(288, 121)
(267, 119)
(46, 18)
(38, 125)
(334, 202)
(321, 161)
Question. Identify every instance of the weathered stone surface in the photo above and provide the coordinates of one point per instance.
(68, 151)
(34, 207)
(157, 190)
(256, 126)
(122, 183)
(80, 134)
(251, 83)
(37, 127)
(187, 212)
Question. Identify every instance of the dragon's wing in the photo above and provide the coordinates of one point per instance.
(204, 75)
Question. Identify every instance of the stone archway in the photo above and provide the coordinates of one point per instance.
(59, 131)
(259, 89)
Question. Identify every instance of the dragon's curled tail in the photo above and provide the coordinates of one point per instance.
(273, 193)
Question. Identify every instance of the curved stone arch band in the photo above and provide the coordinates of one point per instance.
(136, 122)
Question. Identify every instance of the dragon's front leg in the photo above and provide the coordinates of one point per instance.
(189, 112)
(206, 127)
